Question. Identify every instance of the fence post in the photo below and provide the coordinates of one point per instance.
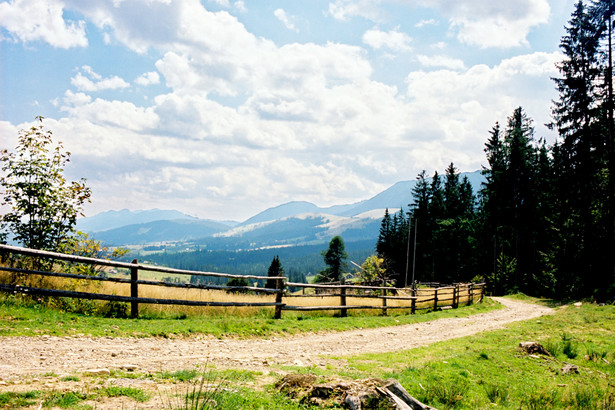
(435, 299)
(470, 294)
(384, 298)
(278, 299)
(343, 312)
(413, 302)
(455, 295)
(134, 290)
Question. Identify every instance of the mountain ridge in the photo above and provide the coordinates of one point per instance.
(291, 223)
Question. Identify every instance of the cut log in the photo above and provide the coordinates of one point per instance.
(398, 390)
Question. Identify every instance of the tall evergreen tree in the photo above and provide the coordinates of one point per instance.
(275, 269)
(582, 153)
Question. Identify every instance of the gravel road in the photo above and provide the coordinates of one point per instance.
(21, 356)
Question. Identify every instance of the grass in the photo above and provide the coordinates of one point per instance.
(489, 369)
(29, 317)
(68, 399)
(477, 372)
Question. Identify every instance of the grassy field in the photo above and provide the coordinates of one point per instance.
(490, 370)
(30, 317)
(484, 371)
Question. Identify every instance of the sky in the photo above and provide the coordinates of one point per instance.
(224, 108)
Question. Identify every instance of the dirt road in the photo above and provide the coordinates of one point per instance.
(21, 356)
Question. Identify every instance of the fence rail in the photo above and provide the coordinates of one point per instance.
(411, 299)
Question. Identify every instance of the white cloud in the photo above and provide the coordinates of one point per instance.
(94, 82)
(456, 102)
(484, 23)
(346, 9)
(305, 121)
(281, 15)
(223, 3)
(393, 40)
(149, 78)
(240, 6)
(488, 23)
(441, 61)
(427, 22)
(35, 20)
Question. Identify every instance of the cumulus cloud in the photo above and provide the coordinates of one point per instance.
(427, 22)
(484, 23)
(34, 20)
(149, 78)
(93, 82)
(441, 61)
(488, 23)
(306, 121)
(281, 15)
(393, 40)
(346, 9)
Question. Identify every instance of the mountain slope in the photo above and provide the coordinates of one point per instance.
(115, 219)
(160, 231)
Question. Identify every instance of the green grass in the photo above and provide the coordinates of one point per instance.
(223, 390)
(22, 317)
(489, 369)
(117, 391)
(13, 400)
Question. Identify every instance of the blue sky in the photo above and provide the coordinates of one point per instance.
(223, 108)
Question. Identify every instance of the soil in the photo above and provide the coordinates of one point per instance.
(23, 358)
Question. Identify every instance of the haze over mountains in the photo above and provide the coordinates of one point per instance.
(292, 223)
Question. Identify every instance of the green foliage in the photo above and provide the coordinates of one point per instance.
(275, 269)
(64, 399)
(373, 269)
(15, 400)
(43, 205)
(118, 391)
(82, 244)
(335, 259)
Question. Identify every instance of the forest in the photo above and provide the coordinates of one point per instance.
(543, 222)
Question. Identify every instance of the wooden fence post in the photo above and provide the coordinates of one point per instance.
(343, 312)
(455, 295)
(134, 290)
(470, 294)
(435, 299)
(384, 298)
(278, 299)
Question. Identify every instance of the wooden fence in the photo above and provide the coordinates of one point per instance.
(412, 299)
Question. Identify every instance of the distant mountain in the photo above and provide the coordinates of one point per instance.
(293, 223)
(303, 229)
(282, 211)
(177, 230)
(115, 219)
(393, 198)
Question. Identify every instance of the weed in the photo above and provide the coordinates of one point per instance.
(541, 399)
(64, 400)
(568, 348)
(70, 379)
(594, 354)
(180, 375)
(449, 391)
(496, 393)
(117, 391)
(13, 400)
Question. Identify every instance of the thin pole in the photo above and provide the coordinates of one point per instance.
(407, 254)
(416, 220)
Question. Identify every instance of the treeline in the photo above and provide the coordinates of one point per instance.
(298, 262)
(543, 222)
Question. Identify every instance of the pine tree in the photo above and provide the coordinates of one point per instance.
(583, 121)
(275, 269)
